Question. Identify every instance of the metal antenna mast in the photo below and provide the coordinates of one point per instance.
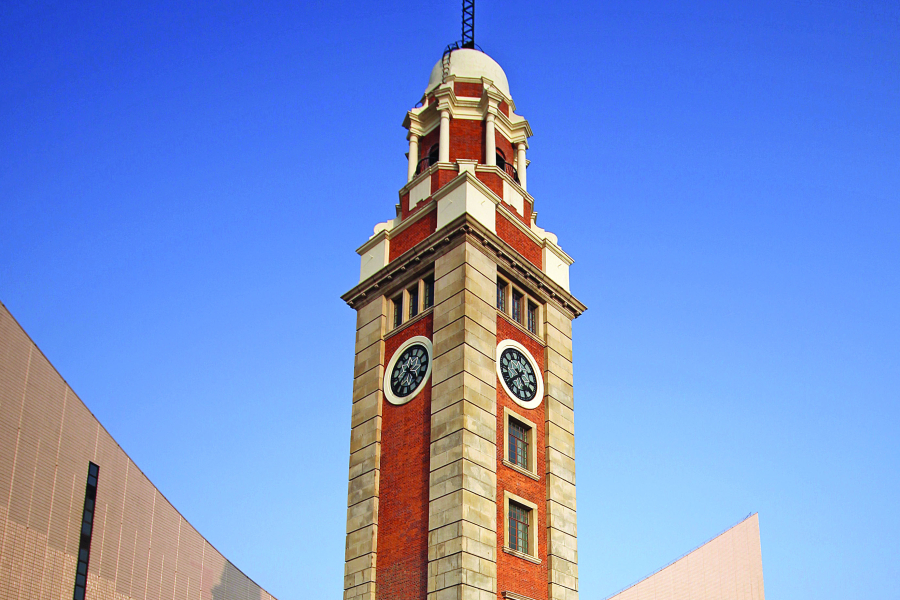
(467, 41)
(468, 23)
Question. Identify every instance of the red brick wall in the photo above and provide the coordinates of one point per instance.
(413, 234)
(402, 569)
(471, 90)
(466, 139)
(527, 247)
(428, 140)
(492, 180)
(516, 574)
(505, 146)
(504, 108)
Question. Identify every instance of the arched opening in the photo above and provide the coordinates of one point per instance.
(501, 159)
(506, 166)
(430, 159)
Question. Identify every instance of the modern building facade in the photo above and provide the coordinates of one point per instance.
(462, 461)
(78, 518)
(727, 566)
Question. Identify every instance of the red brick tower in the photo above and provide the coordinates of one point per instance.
(462, 462)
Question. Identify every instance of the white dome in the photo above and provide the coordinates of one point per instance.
(475, 64)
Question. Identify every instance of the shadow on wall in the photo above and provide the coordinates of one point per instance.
(234, 585)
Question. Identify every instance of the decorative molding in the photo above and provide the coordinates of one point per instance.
(377, 237)
(459, 230)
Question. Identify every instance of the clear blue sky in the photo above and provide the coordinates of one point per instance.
(183, 187)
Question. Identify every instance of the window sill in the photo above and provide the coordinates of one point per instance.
(521, 327)
(515, 596)
(408, 322)
(525, 472)
(522, 555)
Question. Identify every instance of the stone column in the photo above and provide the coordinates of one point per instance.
(490, 141)
(413, 156)
(520, 165)
(462, 524)
(562, 549)
(365, 452)
(444, 148)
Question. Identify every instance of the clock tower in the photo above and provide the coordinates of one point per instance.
(462, 453)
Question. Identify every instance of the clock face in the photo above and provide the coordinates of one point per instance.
(408, 370)
(519, 374)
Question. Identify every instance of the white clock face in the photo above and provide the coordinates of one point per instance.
(519, 374)
(408, 370)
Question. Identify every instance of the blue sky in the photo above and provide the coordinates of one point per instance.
(183, 188)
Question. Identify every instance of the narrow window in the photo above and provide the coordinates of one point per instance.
(398, 310)
(429, 292)
(519, 516)
(517, 306)
(501, 295)
(87, 528)
(518, 443)
(532, 317)
(413, 301)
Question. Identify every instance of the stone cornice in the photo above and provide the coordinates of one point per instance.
(377, 238)
(463, 228)
(422, 120)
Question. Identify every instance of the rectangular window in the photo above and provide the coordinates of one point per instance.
(429, 292)
(87, 527)
(517, 306)
(518, 443)
(501, 295)
(413, 301)
(398, 310)
(532, 317)
(519, 517)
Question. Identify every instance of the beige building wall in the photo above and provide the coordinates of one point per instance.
(141, 547)
(729, 567)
